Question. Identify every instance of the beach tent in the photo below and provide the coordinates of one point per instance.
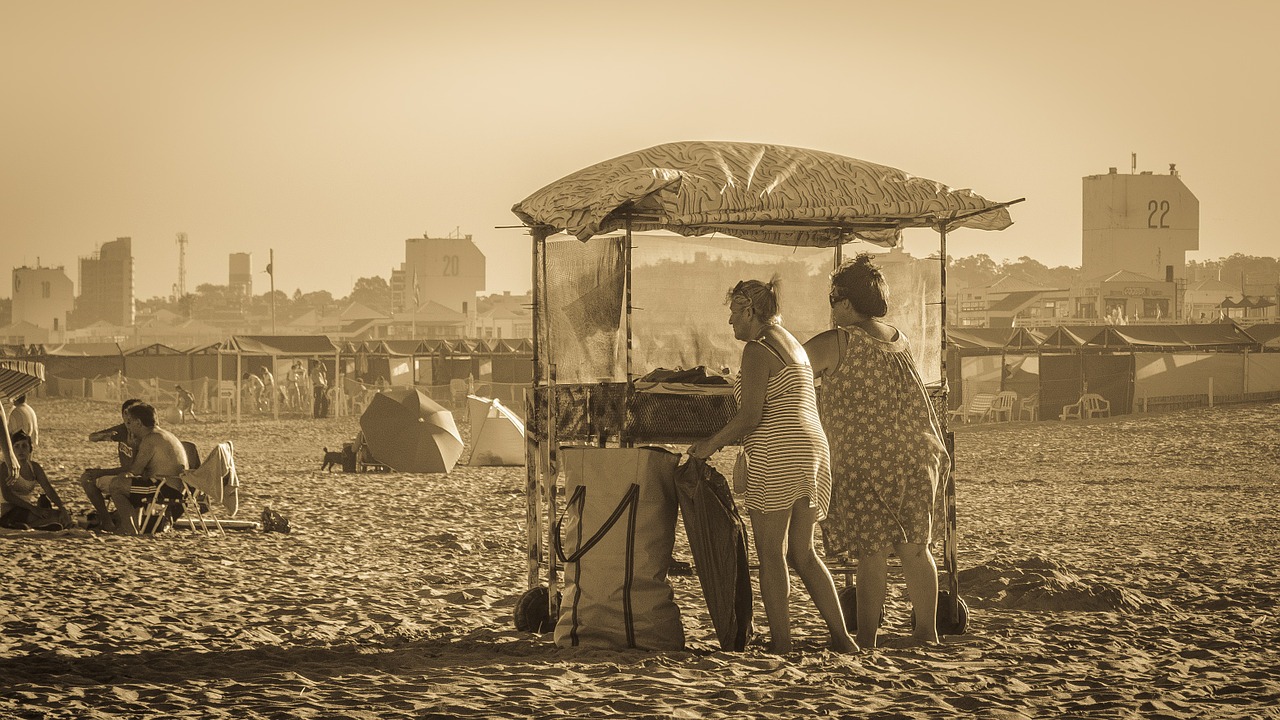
(1218, 337)
(497, 434)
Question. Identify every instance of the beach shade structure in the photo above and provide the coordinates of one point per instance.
(16, 378)
(409, 432)
(19, 376)
(497, 433)
(764, 193)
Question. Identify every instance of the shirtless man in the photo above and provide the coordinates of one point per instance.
(159, 458)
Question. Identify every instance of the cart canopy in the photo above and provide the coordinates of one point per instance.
(764, 193)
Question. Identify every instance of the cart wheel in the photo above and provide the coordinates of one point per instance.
(849, 606)
(531, 612)
(945, 606)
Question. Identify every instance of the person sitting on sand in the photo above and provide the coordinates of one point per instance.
(28, 498)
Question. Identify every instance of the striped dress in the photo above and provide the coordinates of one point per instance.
(787, 455)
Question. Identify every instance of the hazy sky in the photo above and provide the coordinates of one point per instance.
(332, 131)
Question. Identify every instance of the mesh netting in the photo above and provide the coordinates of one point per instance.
(679, 320)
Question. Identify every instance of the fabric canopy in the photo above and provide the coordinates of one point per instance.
(765, 193)
(1202, 337)
(19, 376)
(283, 344)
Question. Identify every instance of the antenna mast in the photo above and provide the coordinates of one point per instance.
(182, 265)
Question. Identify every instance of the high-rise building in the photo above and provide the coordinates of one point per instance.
(449, 271)
(106, 286)
(240, 274)
(44, 297)
(1139, 222)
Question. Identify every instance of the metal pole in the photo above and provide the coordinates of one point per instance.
(624, 437)
(271, 271)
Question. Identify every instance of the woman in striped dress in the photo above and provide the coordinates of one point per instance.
(788, 467)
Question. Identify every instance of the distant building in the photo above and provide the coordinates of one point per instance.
(106, 286)
(1143, 223)
(240, 274)
(43, 297)
(446, 271)
(504, 317)
(1125, 295)
(1008, 301)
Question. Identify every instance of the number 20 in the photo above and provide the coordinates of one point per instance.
(1161, 207)
(451, 266)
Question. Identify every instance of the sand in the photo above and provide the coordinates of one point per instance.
(1114, 568)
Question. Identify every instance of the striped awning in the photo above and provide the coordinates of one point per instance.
(765, 193)
(19, 376)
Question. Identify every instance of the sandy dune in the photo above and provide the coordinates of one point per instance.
(1117, 568)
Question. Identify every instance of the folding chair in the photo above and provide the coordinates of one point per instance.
(167, 503)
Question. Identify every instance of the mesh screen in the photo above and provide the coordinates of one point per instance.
(680, 319)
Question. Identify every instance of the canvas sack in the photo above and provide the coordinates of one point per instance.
(615, 539)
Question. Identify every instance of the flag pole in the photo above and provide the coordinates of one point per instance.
(271, 270)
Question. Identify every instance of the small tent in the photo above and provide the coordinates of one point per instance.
(497, 433)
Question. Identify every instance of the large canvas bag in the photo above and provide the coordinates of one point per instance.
(615, 539)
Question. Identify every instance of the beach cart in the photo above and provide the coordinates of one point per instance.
(631, 258)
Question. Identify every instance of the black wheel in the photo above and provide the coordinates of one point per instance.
(849, 606)
(531, 613)
(945, 625)
(946, 604)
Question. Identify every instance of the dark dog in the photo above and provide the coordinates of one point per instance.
(331, 459)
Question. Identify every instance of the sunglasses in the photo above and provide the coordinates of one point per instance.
(834, 298)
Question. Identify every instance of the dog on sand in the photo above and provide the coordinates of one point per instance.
(331, 460)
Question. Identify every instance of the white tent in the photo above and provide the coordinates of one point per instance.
(497, 434)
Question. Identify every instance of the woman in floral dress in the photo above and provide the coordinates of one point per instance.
(887, 451)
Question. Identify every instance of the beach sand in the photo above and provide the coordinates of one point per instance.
(1114, 568)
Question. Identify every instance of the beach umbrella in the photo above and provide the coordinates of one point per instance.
(765, 193)
(19, 376)
(408, 431)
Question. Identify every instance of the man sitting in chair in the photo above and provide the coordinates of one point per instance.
(159, 458)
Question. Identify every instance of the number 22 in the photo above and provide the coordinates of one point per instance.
(1161, 207)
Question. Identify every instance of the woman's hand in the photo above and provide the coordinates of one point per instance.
(702, 449)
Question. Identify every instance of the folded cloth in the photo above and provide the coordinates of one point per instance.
(217, 478)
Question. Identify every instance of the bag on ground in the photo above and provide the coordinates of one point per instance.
(615, 539)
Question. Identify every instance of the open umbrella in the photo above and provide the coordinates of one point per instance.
(16, 378)
(408, 431)
(19, 376)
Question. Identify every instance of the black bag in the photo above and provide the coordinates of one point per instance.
(718, 541)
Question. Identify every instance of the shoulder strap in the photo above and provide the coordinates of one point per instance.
(773, 350)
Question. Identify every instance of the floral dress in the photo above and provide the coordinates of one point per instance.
(887, 451)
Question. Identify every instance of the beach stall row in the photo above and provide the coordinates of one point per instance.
(1134, 368)
(214, 373)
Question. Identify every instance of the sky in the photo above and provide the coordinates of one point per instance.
(330, 132)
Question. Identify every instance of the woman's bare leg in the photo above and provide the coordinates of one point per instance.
(873, 571)
(815, 575)
(921, 575)
(770, 530)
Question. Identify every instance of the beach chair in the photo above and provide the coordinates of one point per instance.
(979, 406)
(214, 480)
(1030, 407)
(1090, 405)
(155, 503)
(1093, 405)
(1003, 406)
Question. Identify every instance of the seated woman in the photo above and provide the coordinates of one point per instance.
(29, 499)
